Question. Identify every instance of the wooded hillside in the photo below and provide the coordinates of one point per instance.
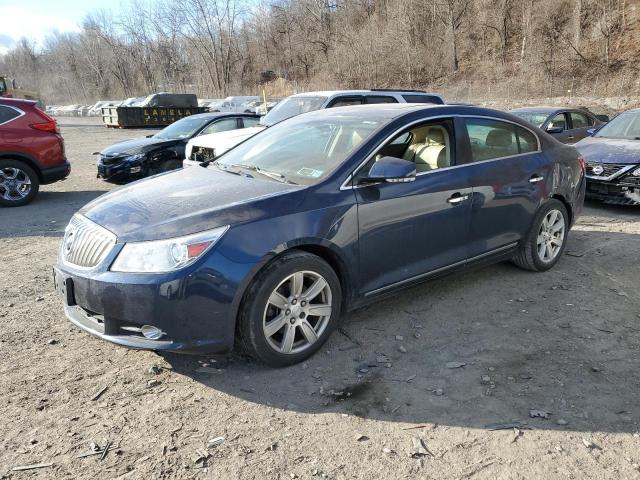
(467, 49)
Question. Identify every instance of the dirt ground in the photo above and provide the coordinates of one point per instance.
(380, 400)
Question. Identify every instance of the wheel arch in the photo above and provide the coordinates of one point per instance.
(19, 157)
(566, 204)
(320, 248)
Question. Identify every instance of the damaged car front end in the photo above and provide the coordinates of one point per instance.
(612, 156)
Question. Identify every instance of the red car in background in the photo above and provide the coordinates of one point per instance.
(31, 151)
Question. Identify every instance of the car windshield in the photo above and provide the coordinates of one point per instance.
(300, 150)
(534, 118)
(625, 126)
(291, 107)
(183, 128)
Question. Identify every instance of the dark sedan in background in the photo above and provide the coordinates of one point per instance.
(567, 125)
(319, 214)
(142, 157)
(613, 160)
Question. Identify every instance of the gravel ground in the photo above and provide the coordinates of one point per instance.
(381, 400)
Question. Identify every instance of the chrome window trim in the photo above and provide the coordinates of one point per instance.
(345, 185)
(20, 113)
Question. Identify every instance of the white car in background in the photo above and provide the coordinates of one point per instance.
(232, 104)
(208, 147)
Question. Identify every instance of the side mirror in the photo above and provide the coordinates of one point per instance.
(555, 130)
(391, 170)
(149, 136)
(591, 131)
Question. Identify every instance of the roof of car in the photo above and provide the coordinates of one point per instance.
(17, 101)
(222, 114)
(329, 93)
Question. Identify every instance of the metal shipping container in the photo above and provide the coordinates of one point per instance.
(125, 117)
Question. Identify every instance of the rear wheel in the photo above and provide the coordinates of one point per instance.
(19, 184)
(290, 309)
(546, 241)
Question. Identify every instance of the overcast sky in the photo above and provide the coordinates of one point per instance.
(35, 19)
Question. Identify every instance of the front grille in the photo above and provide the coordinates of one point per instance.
(85, 243)
(608, 169)
(630, 180)
(200, 154)
(111, 159)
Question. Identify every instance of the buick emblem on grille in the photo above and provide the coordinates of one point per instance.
(598, 169)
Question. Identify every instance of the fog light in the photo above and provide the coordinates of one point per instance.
(150, 332)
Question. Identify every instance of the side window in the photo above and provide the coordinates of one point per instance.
(345, 101)
(7, 114)
(491, 139)
(527, 141)
(579, 120)
(422, 99)
(559, 121)
(221, 126)
(429, 146)
(380, 99)
(250, 122)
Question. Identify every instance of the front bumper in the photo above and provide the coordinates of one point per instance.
(620, 192)
(194, 310)
(120, 170)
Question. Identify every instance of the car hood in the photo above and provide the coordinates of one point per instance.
(137, 145)
(609, 150)
(188, 201)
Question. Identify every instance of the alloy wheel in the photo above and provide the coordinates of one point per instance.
(550, 236)
(15, 184)
(297, 312)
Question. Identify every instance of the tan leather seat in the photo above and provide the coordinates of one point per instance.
(429, 150)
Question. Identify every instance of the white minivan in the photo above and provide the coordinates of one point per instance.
(208, 147)
(232, 104)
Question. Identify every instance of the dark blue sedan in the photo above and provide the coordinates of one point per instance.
(613, 160)
(266, 247)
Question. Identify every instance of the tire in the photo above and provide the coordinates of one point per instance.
(259, 319)
(532, 255)
(19, 183)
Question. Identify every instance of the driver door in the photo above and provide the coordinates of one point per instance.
(409, 231)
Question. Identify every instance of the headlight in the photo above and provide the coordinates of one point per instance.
(165, 255)
(136, 158)
(636, 172)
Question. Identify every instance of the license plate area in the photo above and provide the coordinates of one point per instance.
(64, 287)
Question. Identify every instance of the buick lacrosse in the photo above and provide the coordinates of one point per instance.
(265, 247)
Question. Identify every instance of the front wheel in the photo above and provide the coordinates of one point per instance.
(547, 238)
(290, 309)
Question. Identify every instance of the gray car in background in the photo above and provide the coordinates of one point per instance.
(567, 125)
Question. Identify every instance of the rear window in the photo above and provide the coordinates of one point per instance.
(7, 114)
(417, 98)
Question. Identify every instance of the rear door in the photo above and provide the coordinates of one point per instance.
(506, 170)
(580, 125)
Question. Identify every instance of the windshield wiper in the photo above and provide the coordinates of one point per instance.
(273, 175)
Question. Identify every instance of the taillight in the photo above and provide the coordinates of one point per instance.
(583, 163)
(51, 126)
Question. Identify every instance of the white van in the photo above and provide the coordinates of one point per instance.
(232, 104)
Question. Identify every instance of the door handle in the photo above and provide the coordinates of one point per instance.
(570, 137)
(536, 179)
(457, 199)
